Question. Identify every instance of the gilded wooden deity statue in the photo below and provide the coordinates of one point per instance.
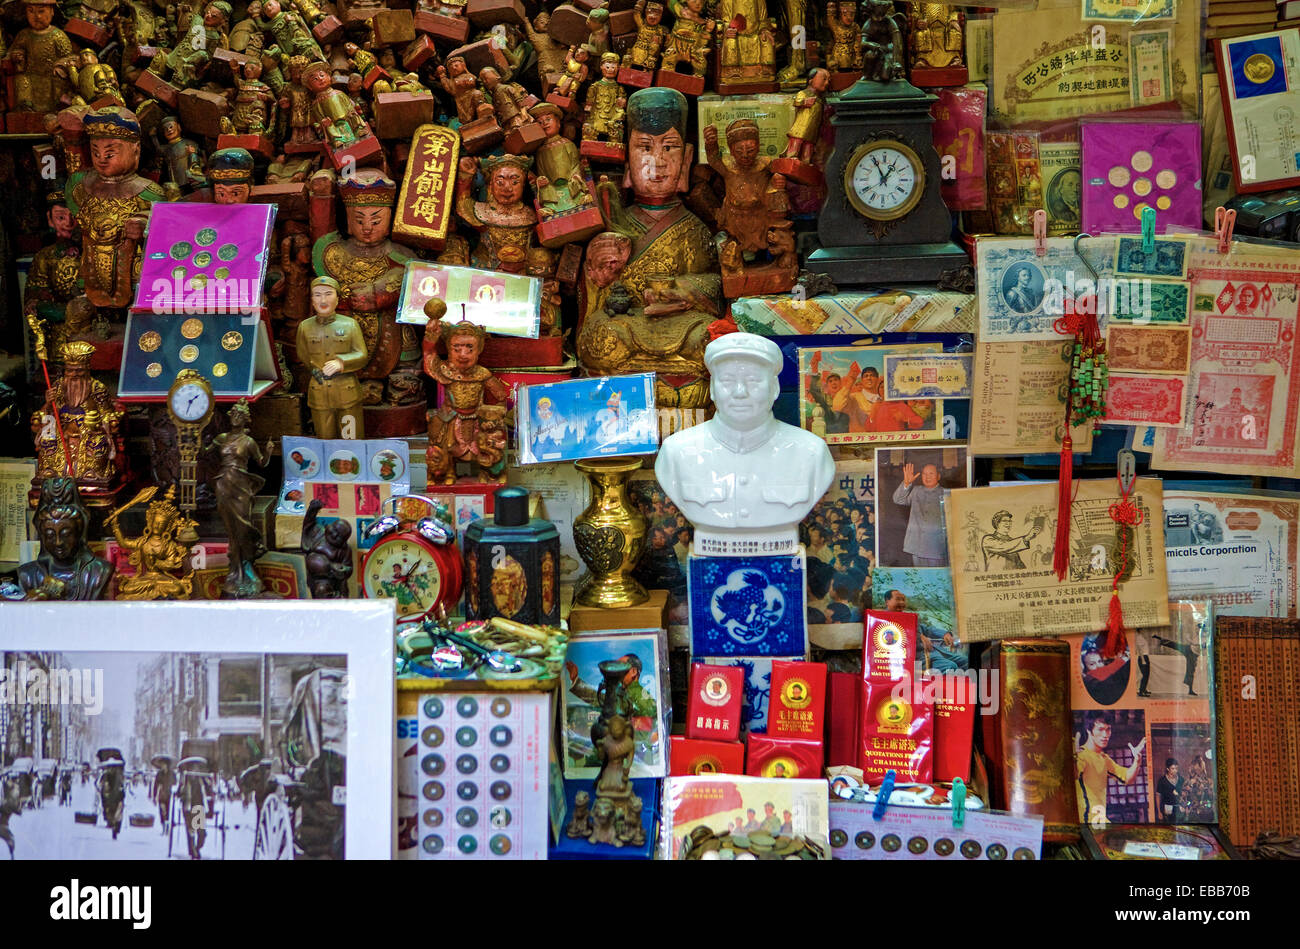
(34, 53)
(661, 253)
(504, 221)
(368, 266)
(462, 430)
(111, 204)
(54, 277)
(78, 430)
(748, 47)
(160, 557)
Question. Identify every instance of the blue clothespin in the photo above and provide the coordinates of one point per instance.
(958, 803)
(882, 796)
(1148, 230)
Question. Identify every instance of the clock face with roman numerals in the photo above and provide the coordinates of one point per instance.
(884, 180)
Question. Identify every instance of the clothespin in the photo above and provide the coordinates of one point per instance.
(1040, 232)
(958, 803)
(1148, 230)
(1224, 222)
(882, 796)
(1127, 465)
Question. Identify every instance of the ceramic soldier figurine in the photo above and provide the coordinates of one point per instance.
(65, 568)
(454, 429)
(235, 487)
(231, 171)
(329, 557)
(54, 275)
(368, 267)
(333, 347)
(182, 159)
(743, 474)
(34, 52)
(111, 204)
(504, 221)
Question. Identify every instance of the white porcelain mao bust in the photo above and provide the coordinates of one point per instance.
(743, 479)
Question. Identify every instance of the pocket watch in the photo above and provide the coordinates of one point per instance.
(884, 179)
(415, 562)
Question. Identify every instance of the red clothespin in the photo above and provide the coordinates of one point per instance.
(1224, 222)
(1040, 232)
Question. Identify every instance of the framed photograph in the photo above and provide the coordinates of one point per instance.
(584, 690)
(598, 417)
(927, 592)
(184, 745)
(910, 485)
(841, 397)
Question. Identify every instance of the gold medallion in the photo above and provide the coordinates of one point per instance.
(189, 353)
(150, 341)
(232, 340)
(1259, 68)
(192, 328)
(153, 370)
(220, 369)
(1142, 187)
(1167, 178)
(1142, 162)
(1118, 176)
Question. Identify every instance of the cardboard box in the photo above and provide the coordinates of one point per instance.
(769, 757)
(714, 703)
(798, 702)
(697, 756)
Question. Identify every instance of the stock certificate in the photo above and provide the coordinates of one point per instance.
(1259, 77)
(1244, 386)
(1000, 546)
(1239, 550)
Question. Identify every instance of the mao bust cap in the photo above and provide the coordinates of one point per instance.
(749, 345)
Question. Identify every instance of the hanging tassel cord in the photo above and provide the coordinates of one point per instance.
(1127, 515)
(58, 422)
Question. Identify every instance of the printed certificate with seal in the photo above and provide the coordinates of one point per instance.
(1259, 76)
(1018, 393)
(1238, 550)
(930, 376)
(1244, 388)
(1000, 544)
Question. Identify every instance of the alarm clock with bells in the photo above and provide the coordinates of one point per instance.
(413, 561)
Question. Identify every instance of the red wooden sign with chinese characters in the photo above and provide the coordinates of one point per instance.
(426, 202)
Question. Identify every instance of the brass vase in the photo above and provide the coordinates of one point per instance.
(610, 536)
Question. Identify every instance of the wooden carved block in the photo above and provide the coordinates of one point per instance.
(525, 139)
(201, 112)
(290, 199)
(485, 14)
(159, 88)
(256, 144)
(448, 29)
(399, 114)
(89, 33)
(328, 30)
(393, 27)
(365, 153)
(480, 54)
(569, 25)
(418, 52)
(480, 135)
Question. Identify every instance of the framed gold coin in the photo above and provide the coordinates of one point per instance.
(189, 353)
(192, 328)
(153, 370)
(232, 340)
(1118, 176)
(220, 369)
(206, 236)
(149, 341)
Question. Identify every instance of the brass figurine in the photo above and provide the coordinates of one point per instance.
(157, 554)
(234, 487)
(65, 568)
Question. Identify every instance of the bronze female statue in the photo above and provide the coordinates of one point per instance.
(235, 486)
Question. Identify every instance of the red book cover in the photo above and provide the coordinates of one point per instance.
(697, 756)
(768, 757)
(954, 727)
(713, 709)
(798, 702)
(889, 644)
(897, 734)
(843, 695)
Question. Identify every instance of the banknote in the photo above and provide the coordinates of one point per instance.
(1151, 302)
(1063, 186)
(1158, 401)
(1128, 11)
(1165, 350)
(1020, 293)
(1168, 258)
(1149, 67)
(938, 376)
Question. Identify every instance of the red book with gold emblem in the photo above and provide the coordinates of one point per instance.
(713, 710)
(798, 701)
(889, 644)
(897, 733)
(698, 756)
(768, 757)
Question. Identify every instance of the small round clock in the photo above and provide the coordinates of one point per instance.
(190, 399)
(190, 404)
(415, 563)
(884, 179)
